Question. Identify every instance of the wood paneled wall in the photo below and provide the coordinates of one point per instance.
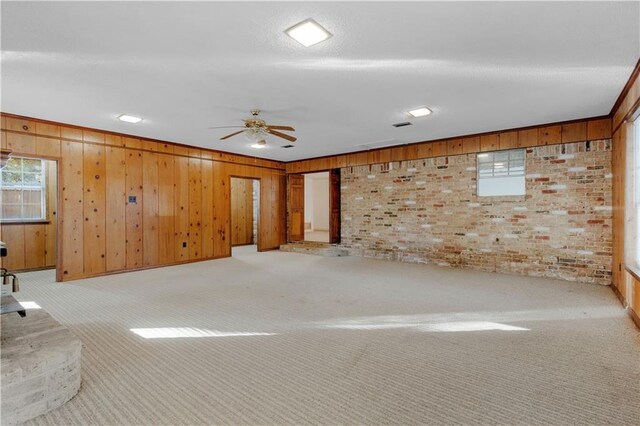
(181, 211)
(625, 283)
(241, 211)
(571, 131)
(33, 245)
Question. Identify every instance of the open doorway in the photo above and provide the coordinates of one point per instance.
(245, 215)
(313, 207)
(316, 207)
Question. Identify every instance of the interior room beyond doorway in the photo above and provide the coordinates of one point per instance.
(316, 207)
(245, 213)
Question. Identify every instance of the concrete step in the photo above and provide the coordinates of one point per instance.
(319, 249)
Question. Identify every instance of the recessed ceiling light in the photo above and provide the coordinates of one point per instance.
(308, 33)
(129, 118)
(420, 112)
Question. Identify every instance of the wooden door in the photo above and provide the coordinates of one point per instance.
(296, 207)
(241, 211)
(334, 206)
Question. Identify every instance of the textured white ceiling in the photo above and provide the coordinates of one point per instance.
(187, 66)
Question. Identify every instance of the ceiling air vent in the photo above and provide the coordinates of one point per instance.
(405, 123)
(287, 146)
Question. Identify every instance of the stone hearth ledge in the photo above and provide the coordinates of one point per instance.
(40, 365)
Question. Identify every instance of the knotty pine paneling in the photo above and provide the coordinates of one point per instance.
(34, 246)
(13, 235)
(47, 129)
(72, 217)
(221, 213)
(195, 208)
(182, 195)
(115, 208)
(47, 147)
(207, 228)
(574, 132)
(489, 142)
(134, 213)
(94, 244)
(150, 209)
(166, 209)
(181, 208)
(51, 228)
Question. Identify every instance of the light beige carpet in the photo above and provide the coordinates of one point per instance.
(282, 338)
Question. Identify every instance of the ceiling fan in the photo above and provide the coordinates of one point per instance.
(256, 130)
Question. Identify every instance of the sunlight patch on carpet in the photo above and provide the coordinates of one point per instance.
(177, 332)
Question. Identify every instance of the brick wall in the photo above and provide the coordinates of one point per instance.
(427, 211)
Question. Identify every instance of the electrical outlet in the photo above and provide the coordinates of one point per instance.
(133, 199)
(184, 244)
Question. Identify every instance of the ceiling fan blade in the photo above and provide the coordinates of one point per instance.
(232, 134)
(225, 127)
(289, 128)
(282, 135)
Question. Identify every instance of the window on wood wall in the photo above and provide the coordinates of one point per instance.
(23, 191)
(501, 173)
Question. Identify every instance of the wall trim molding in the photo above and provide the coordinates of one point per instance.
(618, 294)
(634, 317)
(218, 160)
(251, 159)
(590, 129)
(625, 90)
(464, 136)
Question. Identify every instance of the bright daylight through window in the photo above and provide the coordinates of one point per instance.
(501, 173)
(23, 190)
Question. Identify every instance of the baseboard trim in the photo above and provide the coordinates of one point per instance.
(618, 294)
(39, 268)
(634, 317)
(141, 268)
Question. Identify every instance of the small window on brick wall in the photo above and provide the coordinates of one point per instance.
(501, 173)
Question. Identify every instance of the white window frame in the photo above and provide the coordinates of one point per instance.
(42, 188)
(501, 173)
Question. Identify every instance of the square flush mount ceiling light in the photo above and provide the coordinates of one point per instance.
(420, 112)
(308, 33)
(129, 118)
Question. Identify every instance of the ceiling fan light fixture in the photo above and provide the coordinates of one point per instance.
(255, 134)
(308, 33)
(420, 112)
(260, 144)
